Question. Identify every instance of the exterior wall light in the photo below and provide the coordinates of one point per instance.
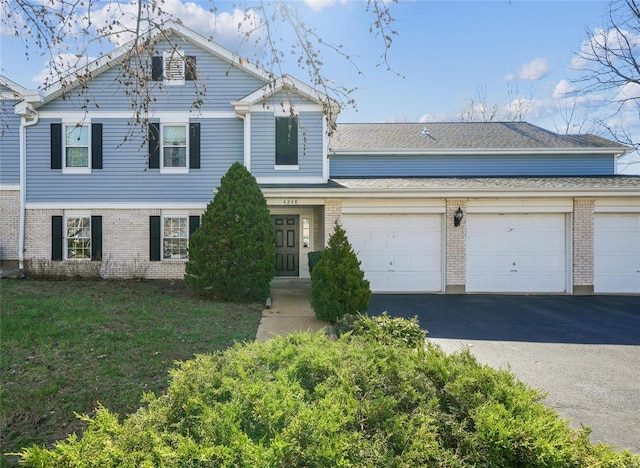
(457, 217)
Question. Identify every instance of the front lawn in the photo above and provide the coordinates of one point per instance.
(66, 346)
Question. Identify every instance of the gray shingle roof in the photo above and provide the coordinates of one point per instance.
(493, 183)
(389, 137)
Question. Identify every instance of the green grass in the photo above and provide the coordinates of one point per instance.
(66, 346)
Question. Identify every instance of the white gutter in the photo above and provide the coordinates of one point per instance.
(471, 151)
(24, 123)
(243, 113)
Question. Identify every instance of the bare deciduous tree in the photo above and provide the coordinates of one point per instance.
(481, 109)
(69, 31)
(610, 61)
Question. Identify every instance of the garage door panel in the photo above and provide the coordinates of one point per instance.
(398, 252)
(516, 253)
(617, 253)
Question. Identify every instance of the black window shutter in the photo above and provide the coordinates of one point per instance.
(156, 68)
(56, 238)
(96, 146)
(194, 146)
(190, 68)
(96, 238)
(154, 145)
(56, 146)
(154, 238)
(194, 223)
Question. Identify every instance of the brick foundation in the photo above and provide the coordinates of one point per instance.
(10, 224)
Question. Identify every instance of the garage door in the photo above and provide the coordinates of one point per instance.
(516, 253)
(617, 253)
(399, 252)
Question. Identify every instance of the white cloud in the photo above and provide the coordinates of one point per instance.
(601, 40)
(534, 70)
(60, 62)
(628, 91)
(318, 5)
(563, 89)
(442, 117)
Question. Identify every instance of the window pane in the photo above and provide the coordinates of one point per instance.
(77, 157)
(78, 238)
(174, 135)
(77, 136)
(175, 241)
(175, 227)
(286, 141)
(175, 157)
(175, 248)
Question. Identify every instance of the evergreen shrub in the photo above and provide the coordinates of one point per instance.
(314, 258)
(386, 329)
(338, 286)
(231, 254)
(306, 400)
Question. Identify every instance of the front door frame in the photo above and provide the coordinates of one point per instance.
(303, 212)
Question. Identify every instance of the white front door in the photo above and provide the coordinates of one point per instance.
(617, 253)
(516, 253)
(399, 252)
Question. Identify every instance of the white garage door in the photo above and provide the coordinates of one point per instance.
(617, 253)
(516, 253)
(399, 252)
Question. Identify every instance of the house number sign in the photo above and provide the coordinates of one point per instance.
(289, 201)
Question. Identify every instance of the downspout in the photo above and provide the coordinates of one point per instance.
(242, 112)
(24, 123)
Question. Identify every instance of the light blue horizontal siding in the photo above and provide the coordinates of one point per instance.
(263, 145)
(221, 83)
(471, 165)
(125, 176)
(9, 144)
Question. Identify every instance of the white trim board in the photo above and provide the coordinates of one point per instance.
(114, 206)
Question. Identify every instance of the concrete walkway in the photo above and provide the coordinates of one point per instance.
(290, 310)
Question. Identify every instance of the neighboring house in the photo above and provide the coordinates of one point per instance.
(541, 212)
(11, 94)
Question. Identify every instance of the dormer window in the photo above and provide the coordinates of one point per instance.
(173, 68)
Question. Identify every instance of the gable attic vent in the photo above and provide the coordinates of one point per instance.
(174, 68)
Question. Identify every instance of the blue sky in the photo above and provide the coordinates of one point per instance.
(447, 51)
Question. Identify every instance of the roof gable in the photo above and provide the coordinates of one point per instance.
(10, 88)
(285, 83)
(174, 29)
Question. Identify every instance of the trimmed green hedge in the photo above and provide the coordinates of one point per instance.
(305, 400)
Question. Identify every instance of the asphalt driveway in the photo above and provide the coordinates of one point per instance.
(583, 351)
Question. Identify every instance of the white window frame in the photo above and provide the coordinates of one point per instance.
(163, 236)
(174, 61)
(72, 169)
(171, 169)
(66, 237)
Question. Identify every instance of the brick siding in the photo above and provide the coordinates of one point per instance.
(9, 224)
(332, 214)
(456, 246)
(583, 242)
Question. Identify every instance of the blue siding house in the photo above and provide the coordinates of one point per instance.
(445, 207)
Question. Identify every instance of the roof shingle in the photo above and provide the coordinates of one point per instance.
(432, 136)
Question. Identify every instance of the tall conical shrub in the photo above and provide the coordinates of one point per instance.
(338, 286)
(231, 254)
